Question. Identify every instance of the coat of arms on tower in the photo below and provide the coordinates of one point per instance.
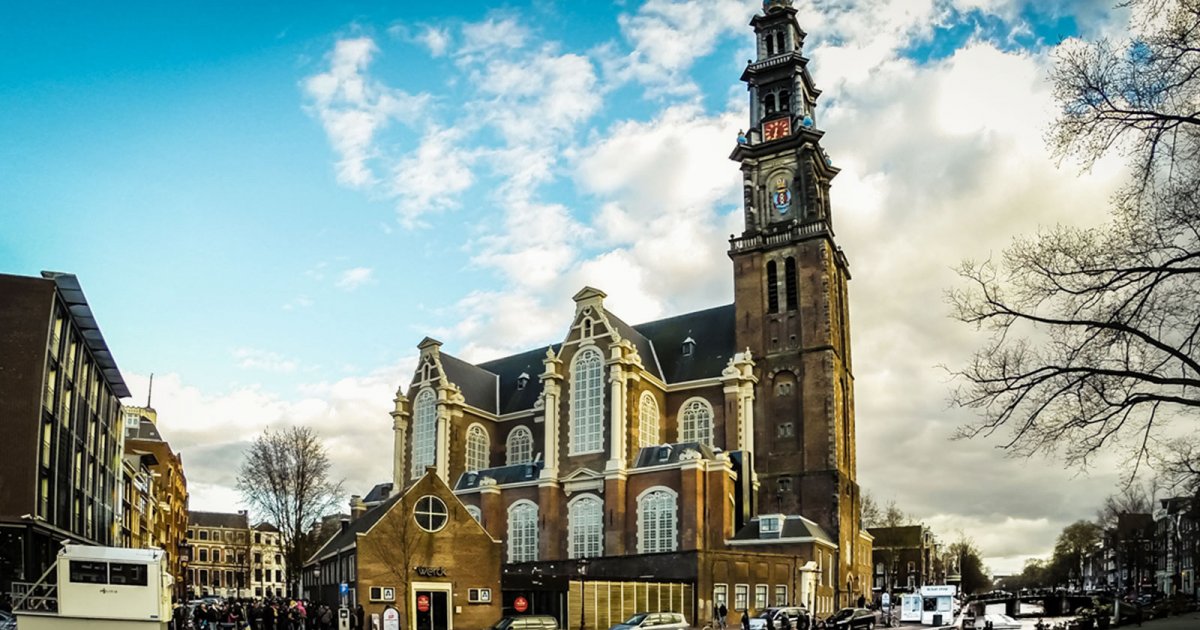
(782, 196)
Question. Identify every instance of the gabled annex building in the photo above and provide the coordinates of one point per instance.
(700, 459)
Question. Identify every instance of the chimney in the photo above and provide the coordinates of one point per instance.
(357, 507)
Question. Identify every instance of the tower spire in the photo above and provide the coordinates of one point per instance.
(150, 391)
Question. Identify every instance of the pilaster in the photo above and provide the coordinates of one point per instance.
(551, 391)
(400, 416)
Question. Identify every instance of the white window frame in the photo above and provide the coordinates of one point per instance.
(478, 453)
(651, 539)
(587, 402)
(424, 435)
(519, 446)
(720, 594)
(475, 513)
(523, 537)
(648, 421)
(781, 595)
(761, 595)
(741, 596)
(690, 427)
(585, 531)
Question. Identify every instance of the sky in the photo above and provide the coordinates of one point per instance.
(270, 204)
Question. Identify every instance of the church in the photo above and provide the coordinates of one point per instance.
(675, 465)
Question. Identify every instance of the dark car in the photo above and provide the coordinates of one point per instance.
(527, 622)
(7, 621)
(848, 618)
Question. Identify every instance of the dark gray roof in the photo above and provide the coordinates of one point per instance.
(81, 314)
(492, 385)
(670, 453)
(502, 475)
(349, 535)
(380, 492)
(478, 385)
(510, 368)
(146, 431)
(219, 519)
(644, 347)
(793, 527)
(266, 527)
(711, 329)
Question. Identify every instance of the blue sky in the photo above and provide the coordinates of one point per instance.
(270, 204)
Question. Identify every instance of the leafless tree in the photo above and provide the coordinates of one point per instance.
(1094, 334)
(1131, 498)
(389, 554)
(285, 478)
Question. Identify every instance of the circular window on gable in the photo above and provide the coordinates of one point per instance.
(430, 513)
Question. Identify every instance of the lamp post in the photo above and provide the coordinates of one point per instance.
(583, 565)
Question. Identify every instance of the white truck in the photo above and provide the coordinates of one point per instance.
(102, 588)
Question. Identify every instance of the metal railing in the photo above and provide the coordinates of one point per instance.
(35, 597)
(779, 237)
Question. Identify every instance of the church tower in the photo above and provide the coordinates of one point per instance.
(790, 294)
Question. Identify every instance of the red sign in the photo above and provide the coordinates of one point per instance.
(422, 603)
(520, 604)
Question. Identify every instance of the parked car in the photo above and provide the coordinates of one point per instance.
(527, 622)
(772, 618)
(658, 620)
(7, 621)
(848, 618)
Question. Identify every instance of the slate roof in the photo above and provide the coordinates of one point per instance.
(218, 519)
(510, 368)
(266, 527)
(502, 475)
(147, 431)
(794, 526)
(492, 385)
(380, 492)
(670, 453)
(349, 535)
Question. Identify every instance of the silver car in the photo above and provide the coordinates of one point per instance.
(658, 621)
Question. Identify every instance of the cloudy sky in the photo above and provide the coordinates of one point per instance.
(269, 205)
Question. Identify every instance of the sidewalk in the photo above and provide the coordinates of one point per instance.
(1190, 621)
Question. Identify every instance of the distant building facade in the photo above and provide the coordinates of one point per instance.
(166, 509)
(60, 400)
(229, 558)
(1176, 542)
(905, 558)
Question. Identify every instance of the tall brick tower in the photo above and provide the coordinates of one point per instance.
(790, 293)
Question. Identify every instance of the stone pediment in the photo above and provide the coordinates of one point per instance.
(583, 480)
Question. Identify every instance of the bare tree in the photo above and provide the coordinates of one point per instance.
(1131, 498)
(389, 554)
(285, 478)
(1094, 334)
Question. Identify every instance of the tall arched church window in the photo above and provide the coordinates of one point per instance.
(522, 532)
(772, 287)
(519, 446)
(658, 524)
(696, 422)
(647, 420)
(424, 437)
(789, 268)
(478, 448)
(587, 402)
(585, 527)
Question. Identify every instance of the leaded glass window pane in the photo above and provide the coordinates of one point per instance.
(522, 532)
(657, 524)
(477, 448)
(586, 521)
(648, 420)
(424, 439)
(587, 403)
(696, 422)
(520, 446)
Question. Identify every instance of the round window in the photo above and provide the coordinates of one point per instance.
(430, 513)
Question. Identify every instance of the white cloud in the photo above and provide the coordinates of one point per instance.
(431, 178)
(354, 278)
(353, 108)
(264, 360)
(437, 40)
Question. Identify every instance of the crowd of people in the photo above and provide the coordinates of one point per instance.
(260, 614)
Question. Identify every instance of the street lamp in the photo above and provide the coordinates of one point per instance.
(583, 565)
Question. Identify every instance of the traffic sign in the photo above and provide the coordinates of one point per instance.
(520, 604)
(422, 603)
(344, 588)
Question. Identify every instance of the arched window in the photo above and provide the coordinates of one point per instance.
(785, 101)
(789, 275)
(769, 103)
(520, 446)
(779, 42)
(585, 527)
(772, 287)
(587, 402)
(424, 437)
(648, 420)
(475, 513)
(658, 526)
(522, 532)
(478, 448)
(770, 45)
(696, 422)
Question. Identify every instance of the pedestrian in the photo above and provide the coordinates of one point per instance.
(722, 611)
(745, 619)
(785, 620)
(359, 618)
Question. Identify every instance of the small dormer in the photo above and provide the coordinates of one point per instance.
(770, 526)
(689, 346)
(522, 380)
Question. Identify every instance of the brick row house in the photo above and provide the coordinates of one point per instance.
(702, 459)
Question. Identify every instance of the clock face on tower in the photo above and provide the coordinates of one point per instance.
(778, 128)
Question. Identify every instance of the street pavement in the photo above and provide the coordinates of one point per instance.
(1190, 621)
